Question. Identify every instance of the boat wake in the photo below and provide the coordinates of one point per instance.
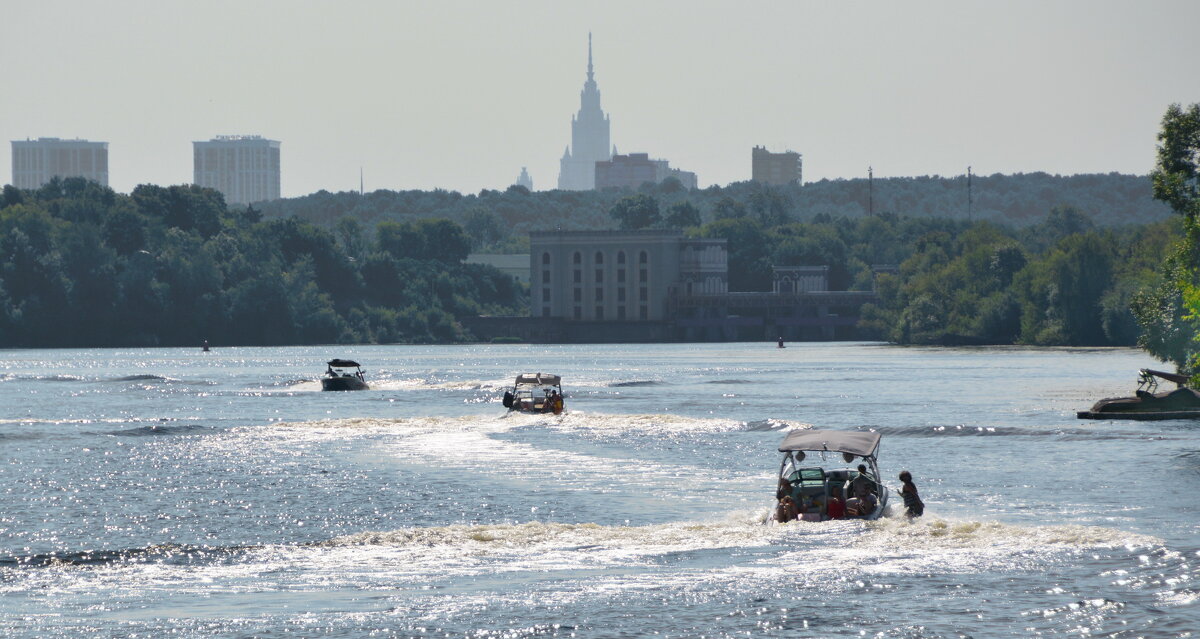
(475, 444)
(886, 546)
(637, 383)
(536, 538)
(932, 531)
(657, 423)
(408, 384)
(932, 544)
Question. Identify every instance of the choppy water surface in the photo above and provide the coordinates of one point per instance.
(170, 492)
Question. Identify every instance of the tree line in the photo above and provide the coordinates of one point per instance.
(1063, 281)
(499, 221)
(1169, 311)
(81, 265)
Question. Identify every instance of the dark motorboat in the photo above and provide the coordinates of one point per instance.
(1146, 404)
(339, 378)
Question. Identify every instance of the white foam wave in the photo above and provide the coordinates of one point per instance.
(471, 444)
(416, 383)
(896, 545)
(570, 420)
(283, 387)
(658, 423)
(541, 545)
(412, 383)
(933, 532)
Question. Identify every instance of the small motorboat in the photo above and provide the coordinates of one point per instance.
(810, 478)
(535, 393)
(339, 378)
(1147, 403)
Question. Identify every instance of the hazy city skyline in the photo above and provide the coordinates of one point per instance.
(459, 96)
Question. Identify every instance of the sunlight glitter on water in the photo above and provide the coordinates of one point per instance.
(245, 503)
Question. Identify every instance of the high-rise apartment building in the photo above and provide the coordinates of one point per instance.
(245, 168)
(36, 162)
(775, 168)
(589, 138)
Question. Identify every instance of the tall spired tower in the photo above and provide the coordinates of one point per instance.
(589, 138)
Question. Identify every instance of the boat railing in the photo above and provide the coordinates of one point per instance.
(1148, 379)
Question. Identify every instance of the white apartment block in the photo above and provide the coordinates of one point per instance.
(245, 168)
(36, 162)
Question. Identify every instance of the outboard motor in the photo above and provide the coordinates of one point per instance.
(508, 399)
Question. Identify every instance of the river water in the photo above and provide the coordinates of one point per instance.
(174, 493)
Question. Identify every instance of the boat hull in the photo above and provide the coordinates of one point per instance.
(1144, 416)
(1181, 403)
(342, 384)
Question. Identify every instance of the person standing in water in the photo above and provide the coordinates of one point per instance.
(913, 505)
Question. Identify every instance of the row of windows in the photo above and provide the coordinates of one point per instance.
(643, 312)
(577, 276)
(643, 295)
(577, 258)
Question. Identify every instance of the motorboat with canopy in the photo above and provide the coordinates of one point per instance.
(535, 393)
(811, 477)
(338, 376)
(1148, 403)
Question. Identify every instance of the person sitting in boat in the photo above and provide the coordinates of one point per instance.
(835, 508)
(862, 484)
(861, 506)
(784, 489)
(786, 510)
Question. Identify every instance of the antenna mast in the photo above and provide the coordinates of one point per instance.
(871, 191)
(969, 194)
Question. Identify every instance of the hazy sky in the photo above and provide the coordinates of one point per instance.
(461, 95)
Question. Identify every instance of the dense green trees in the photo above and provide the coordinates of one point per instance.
(1169, 313)
(497, 221)
(959, 283)
(637, 211)
(81, 265)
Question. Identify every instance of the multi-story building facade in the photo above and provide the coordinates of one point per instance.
(631, 171)
(620, 275)
(686, 178)
(245, 168)
(589, 138)
(626, 171)
(36, 162)
(775, 168)
(800, 279)
(525, 180)
(643, 286)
